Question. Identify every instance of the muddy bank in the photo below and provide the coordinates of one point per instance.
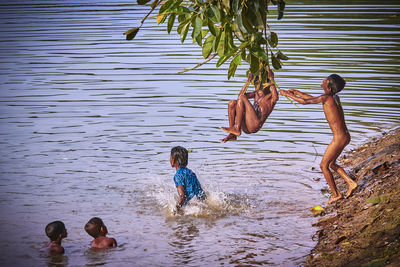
(364, 230)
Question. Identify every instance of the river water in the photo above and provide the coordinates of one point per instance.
(87, 121)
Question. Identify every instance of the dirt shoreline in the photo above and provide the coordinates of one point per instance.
(364, 230)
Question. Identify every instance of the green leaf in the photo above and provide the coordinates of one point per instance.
(221, 46)
(263, 6)
(238, 60)
(254, 64)
(281, 8)
(254, 16)
(182, 10)
(204, 33)
(259, 53)
(228, 39)
(239, 21)
(282, 56)
(217, 39)
(214, 14)
(226, 4)
(184, 33)
(171, 21)
(143, 2)
(211, 27)
(222, 60)
(276, 62)
(207, 46)
(235, 6)
(237, 32)
(243, 54)
(130, 34)
(232, 69)
(377, 200)
(247, 25)
(181, 18)
(165, 6)
(198, 39)
(273, 39)
(182, 25)
(197, 24)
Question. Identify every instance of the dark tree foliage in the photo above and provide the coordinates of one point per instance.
(232, 30)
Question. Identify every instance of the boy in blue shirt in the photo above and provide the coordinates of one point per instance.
(185, 179)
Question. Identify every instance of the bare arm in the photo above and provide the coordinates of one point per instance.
(274, 92)
(182, 196)
(244, 88)
(304, 100)
(299, 93)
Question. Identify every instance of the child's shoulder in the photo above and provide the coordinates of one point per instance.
(55, 248)
(104, 242)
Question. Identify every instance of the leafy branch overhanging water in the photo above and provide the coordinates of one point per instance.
(232, 30)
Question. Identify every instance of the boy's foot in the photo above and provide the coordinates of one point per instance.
(352, 187)
(231, 130)
(333, 199)
(229, 137)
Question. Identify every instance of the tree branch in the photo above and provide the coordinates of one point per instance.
(200, 64)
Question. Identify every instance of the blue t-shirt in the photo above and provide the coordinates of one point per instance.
(188, 179)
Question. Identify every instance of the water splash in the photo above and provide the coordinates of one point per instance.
(217, 203)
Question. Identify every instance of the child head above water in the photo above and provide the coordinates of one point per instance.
(179, 157)
(95, 227)
(336, 83)
(56, 230)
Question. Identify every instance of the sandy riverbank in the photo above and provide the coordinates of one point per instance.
(364, 230)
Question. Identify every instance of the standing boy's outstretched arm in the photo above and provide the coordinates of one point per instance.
(299, 93)
(304, 100)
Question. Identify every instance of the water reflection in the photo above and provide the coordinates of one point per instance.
(183, 242)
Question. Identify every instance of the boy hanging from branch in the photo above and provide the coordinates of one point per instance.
(247, 117)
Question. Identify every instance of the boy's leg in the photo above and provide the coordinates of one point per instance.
(229, 137)
(352, 185)
(231, 116)
(232, 112)
(330, 155)
(244, 109)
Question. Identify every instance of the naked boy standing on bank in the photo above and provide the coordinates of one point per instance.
(341, 137)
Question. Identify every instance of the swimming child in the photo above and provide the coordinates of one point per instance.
(247, 117)
(56, 231)
(96, 228)
(333, 110)
(185, 179)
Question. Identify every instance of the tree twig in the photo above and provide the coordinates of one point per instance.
(200, 64)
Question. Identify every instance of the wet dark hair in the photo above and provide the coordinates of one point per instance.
(336, 83)
(54, 229)
(93, 226)
(180, 156)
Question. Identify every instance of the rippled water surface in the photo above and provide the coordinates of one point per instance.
(87, 121)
